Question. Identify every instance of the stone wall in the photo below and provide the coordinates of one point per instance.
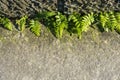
(17, 8)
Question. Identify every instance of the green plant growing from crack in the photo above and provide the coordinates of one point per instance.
(55, 21)
(35, 27)
(22, 23)
(6, 23)
(73, 23)
(60, 24)
(80, 23)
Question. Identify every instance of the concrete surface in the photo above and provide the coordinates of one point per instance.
(26, 57)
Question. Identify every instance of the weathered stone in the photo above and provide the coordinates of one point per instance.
(18, 8)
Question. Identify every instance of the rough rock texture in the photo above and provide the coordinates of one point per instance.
(17, 8)
(92, 5)
(26, 57)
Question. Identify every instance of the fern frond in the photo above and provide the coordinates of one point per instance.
(6, 23)
(118, 27)
(87, 20)
(74, 17)
(117, 15)
(104, 17)
(45, 14)
(112, 22)
(49, 14)
(81, 23)
(60, 24)
(59, 30)
(22, 23)
(35, 27)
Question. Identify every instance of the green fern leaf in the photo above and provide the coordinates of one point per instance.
(22, 23)
(74, 17)
(83, 25)
(45, 14)
(118, 28)
(86, 22)
(70, 17)
(49, 14)
(104, 17)
(60, 24)
(35, 27)
(117, 15)
(75, 21)
(59, 30)
(6, 23)
(112, 22)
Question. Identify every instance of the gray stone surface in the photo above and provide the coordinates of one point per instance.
(18, 8)
(26, 57)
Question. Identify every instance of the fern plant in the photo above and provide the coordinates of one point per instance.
(46, 17)
(60, 24)
(103, 18)
(108, 21)
(117, 16)
(45, 14)
(35, 27)
(112, 22)
(87, 20)
(75, 24)
(55, 21)
(81, 23)
(22, 23)
(6, 23)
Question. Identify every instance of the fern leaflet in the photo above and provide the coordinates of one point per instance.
(112, 22)
(22, 23)
(117, 15)
(35, 27)
(60, 24)
(87, 20)
(104, 17)
(6, 23)
(81, 23)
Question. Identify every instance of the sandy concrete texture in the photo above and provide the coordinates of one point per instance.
(24, 56)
